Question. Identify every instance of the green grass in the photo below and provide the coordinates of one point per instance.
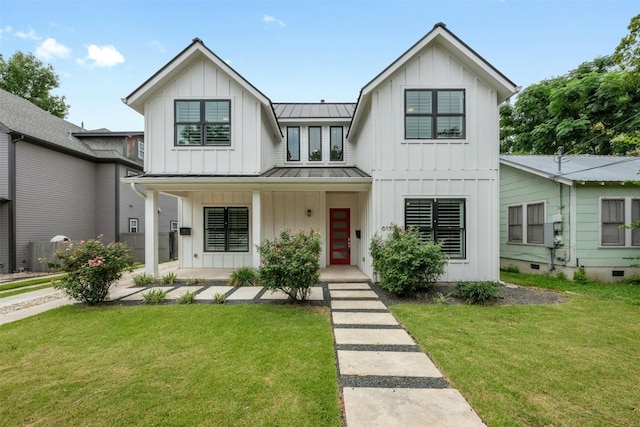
(30, 282)
(19, 291)
(207, 365)
(624, 292)
(572, 364)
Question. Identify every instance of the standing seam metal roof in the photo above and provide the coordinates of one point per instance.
(317, 110)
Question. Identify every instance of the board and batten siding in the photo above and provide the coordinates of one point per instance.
(281, 148)
(520, 188)
(589, 253)
(46, 207)
(459, 168)
(203, 80)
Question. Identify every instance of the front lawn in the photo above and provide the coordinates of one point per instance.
(241, 365)
(572, 364)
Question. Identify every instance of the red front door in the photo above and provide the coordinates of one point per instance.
(339, 236)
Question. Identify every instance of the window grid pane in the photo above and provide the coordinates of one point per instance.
(441, 220)
(535, 223)
(336, 143)
(293, 144)
(203, 122)
(419, 102)
(434, 114)
(635, 218)
(612, 211)
(515, 224)
(315, 143)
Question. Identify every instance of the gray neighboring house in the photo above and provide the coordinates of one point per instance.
(561, 217)
(58, 178)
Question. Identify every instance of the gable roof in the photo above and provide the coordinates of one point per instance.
(578, 168)
(439, 34)
(137, 98)
(22, 118)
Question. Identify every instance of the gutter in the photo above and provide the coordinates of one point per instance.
(137, 191)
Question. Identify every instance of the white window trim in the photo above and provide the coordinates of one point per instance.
(191, 148)
(627, 221)
(524, 221)
(140, 149)
(171, 224)
(137, 225)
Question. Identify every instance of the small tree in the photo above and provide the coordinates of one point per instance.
(290, 263)
(406, 264)
(91, 268)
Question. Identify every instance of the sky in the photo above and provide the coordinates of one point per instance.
(293, 50)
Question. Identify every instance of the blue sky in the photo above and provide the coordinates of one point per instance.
(293, 50)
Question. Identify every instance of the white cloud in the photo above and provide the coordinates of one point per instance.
(50, 48)
(5, 30)
(268, 19)
(156, 44)
(102, 56)
(30, 35)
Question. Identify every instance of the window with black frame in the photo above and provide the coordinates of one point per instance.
(439, 220)
(226, 229)
(434, 114)
(203, 122)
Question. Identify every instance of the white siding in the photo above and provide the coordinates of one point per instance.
(348, 150)
(203, 80)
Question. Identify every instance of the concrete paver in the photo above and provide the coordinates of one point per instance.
(343, 286)
(207, 294)
(315, 294)
(357, 318)
(139, 296)
(387, 363)
(245, 293)
(353, 336)
(357, 305)
(179, 291)
(353, 294)
(408, 408)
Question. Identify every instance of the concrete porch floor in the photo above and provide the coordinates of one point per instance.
(333, 273)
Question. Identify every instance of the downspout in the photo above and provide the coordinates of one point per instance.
(117, 202)
(12, 204)
(137, 191)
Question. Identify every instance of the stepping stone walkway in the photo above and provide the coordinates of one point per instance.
(386, 380)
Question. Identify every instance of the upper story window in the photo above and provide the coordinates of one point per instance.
(293, 144)
(203, 122)
(615, 215)
(140, 149)
(336, 144)
(533, 215)
(439, 220)
(434, 114)
(315, 143)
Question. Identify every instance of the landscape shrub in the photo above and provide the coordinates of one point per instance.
(154, 296)
(91, 268)
(580, 276)
(561, 275)
(441, 299)
(290, 263)
(192, 281)
(169, 278)
(219, 298)
(243, 276)
(187, 298)
(477, 292)
(143, 280)
(405, 263)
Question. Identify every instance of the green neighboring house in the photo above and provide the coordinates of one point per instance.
(561, 213)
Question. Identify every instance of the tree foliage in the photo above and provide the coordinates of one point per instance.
(29, 78)
(627, 53)
(594, 109)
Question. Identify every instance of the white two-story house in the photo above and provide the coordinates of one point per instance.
(419, 148)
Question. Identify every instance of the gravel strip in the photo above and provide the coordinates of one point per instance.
(31, 302)
(392, 382)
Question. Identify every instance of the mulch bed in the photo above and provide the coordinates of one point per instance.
(509, 295)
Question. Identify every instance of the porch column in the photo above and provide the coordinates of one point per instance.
(256, 220)
(151, 233)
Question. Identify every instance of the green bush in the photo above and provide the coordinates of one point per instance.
(561, 275)
(219, 298)
(187, 298)
(192, 281)
(143, 280)
(477, 292)
(244, 276)
(169, 278)
(580, 276)
(405, 263)
(290, 263)
(91, 268)
(154, 296)
(440, 299)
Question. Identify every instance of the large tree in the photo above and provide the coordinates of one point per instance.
(28, 77)
(627, 54)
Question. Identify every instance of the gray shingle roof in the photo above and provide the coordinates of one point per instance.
(579, 168)
(21, 116)
(316, 110)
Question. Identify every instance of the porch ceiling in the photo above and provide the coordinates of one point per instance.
(276, 179)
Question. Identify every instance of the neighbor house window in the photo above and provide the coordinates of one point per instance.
(439, 220)
(293, 144)
(133, 225)
(203, 122)
(336, 143)
(434, 114)
(140, 149)
(635, 219)
(315, 143)
(535, 223)
(613, 219)
(173, 225)
(515, 224)
(226, 229)
(531, 214)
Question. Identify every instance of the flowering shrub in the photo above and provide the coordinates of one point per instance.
(290, 263)
(404, 263)
(91, 268)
